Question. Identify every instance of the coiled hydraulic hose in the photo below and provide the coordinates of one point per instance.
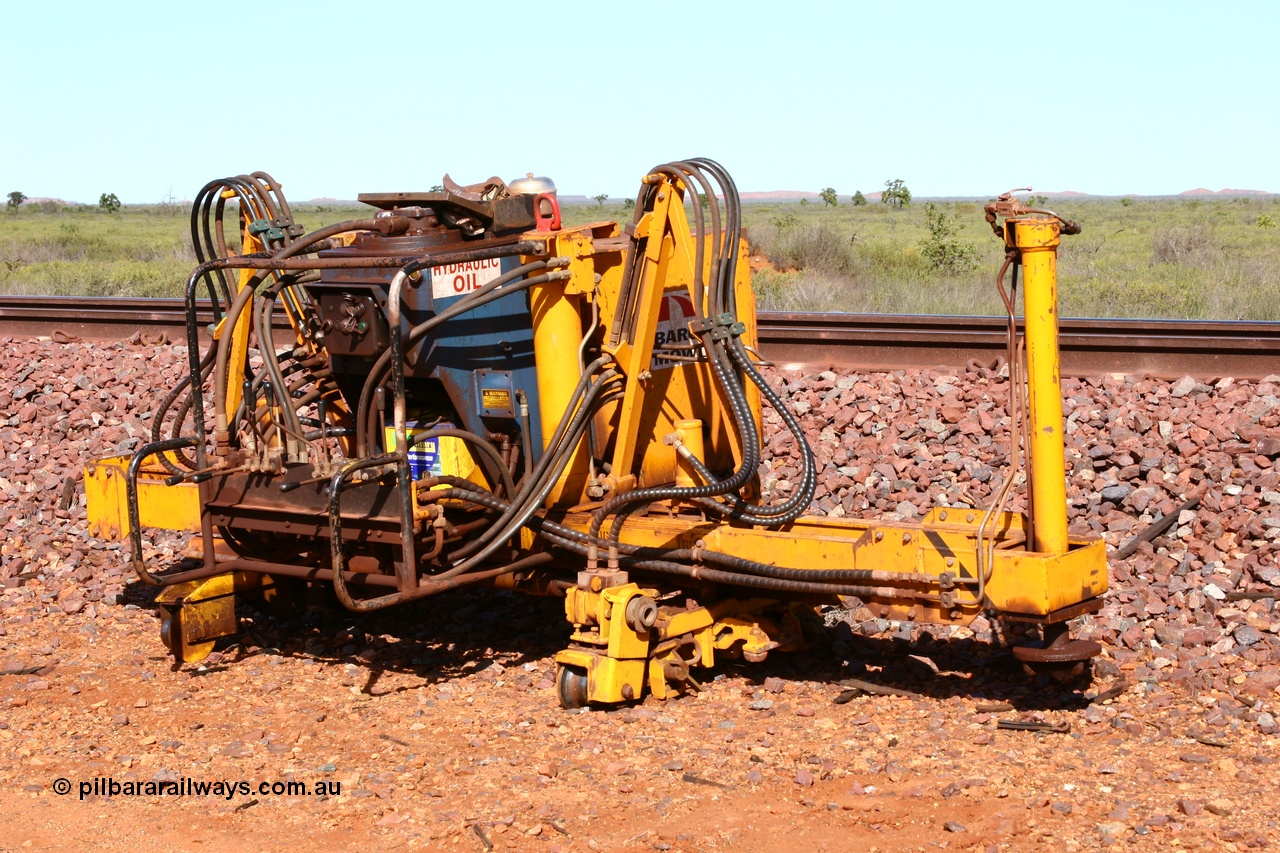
(246, 294)
(730, 363)
(724, 368)
(743, 422)
(790, 509)
(530, 497)
(157, 420)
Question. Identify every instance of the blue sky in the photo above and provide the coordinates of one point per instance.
(956, 98)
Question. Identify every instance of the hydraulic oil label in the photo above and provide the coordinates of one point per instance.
(673, 329)
(456, 279)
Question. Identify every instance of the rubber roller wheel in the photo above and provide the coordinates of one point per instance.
(571, 687)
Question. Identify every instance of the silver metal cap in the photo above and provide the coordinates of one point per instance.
(530, 185)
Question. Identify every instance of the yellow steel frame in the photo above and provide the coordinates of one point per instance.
(928, 571)
(915, 556)
(195, 614)
(652, 403)
(240, 333)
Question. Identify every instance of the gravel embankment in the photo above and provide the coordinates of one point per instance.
(440, 718)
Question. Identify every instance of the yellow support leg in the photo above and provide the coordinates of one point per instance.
(557, 332)
(1037, 240)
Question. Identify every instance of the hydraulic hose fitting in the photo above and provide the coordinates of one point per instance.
(641, 613)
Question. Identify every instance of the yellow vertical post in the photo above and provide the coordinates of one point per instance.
(1037, 240)
(557, 332)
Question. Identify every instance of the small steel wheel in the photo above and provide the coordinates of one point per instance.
(571, 687)
(1058, 655)
(171, 637)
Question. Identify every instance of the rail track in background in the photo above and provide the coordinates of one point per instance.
(1166, 348)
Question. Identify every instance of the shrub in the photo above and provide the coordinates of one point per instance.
(943, 249)
(171, 206)
(858, 200)
(1189, 245)
(883, 259)
(813, 245)
(1265, 221)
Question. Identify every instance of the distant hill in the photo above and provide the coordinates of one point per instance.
(778, 195)
(1203, 191)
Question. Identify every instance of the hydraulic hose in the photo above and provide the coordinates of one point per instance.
(486, 294)
(749, 573)
(157, 420)
(245, 295)
(503, 476)
(746, 427)
(531, 497)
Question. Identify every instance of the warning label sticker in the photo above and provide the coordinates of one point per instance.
(495, 398)
(673, 328)
(456, 279)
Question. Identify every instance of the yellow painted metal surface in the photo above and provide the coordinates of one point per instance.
(944, 542)
(609, 680)
(240, 334)
(689, 431)
(606, 646)
(167, 507)
(1037, 240)
(671, 625)
(557, 333)
(600, 618)
(196, 613)
(658, 393)
(1029, 583)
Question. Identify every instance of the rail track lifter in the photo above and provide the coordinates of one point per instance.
(475, 394)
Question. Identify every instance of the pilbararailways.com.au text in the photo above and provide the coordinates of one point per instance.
(105, 786)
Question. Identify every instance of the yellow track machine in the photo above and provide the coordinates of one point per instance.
(472, 393)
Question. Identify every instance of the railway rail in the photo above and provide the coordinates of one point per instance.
(1171, 348)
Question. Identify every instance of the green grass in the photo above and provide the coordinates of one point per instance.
(1173, 258)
